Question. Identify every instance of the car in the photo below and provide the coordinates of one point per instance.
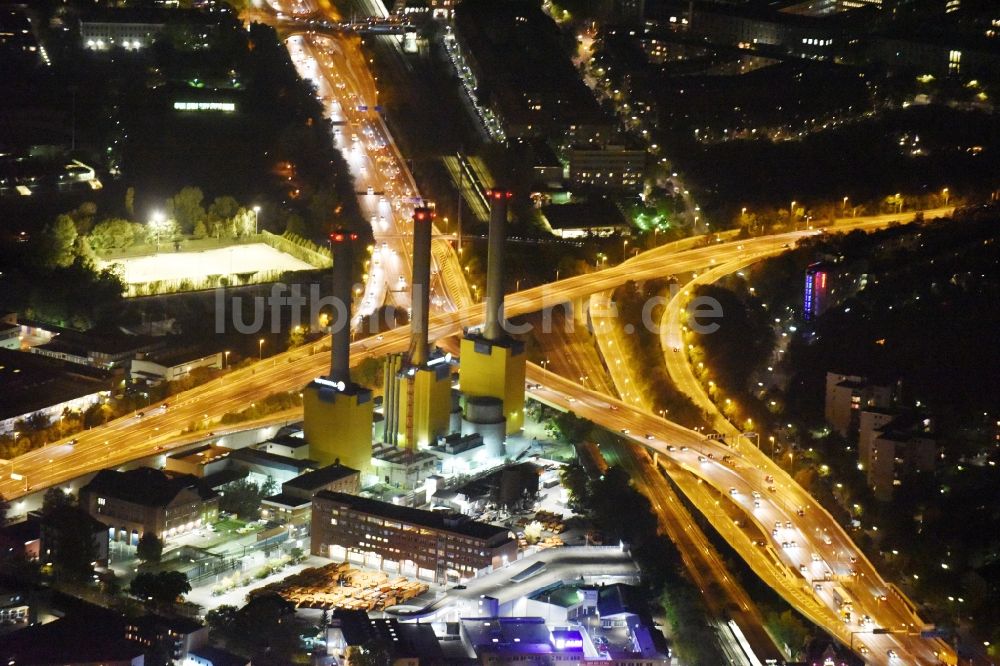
(684, 448)
(756, 504)
(788, 524)
(827, 540)
(801, 512)
(378, 338)
(165, 406)
(71, 442)
(854, 559)
(768, 479)
(159, 447)
(793, 544)
(648, 436)
(784, 544)
(774, 533)
(702, 459)
(756, 495)
(624, 431)
(863, 650)
(671, 447)
(771, 489)
(891, 654)
(711, 455)
(803, 569)
(817, 587)
(614, 408)
(733, 491)
(371, 190)
(676, 349)
(816, 557)
(140, 415)
(777, 524)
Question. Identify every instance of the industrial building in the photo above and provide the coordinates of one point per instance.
(417, 384)
(337, 411)
(426, 544)
(493, 363)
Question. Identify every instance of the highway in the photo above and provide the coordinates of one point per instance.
(387, 192)
(129, 437)
(728, 475)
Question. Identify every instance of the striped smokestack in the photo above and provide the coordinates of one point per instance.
(420, 297)
(493, 327)
(340, 348)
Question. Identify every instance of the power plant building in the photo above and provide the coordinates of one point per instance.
(417, 399)
(338, 412)
(493, 363)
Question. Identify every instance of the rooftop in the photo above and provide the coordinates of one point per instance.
(319, 478)
(444, 522)
(265, 459)
(32, 382)
(597, 212)
(503, 634)
(203, 454)
(291, 501)
(145, 486)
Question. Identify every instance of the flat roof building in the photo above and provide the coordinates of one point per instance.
(436, 546)
(201, 462)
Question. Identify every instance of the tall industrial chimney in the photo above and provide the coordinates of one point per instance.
(420, 297)
(340, 348)
(493, 327)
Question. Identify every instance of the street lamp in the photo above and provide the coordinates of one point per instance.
(260, 349)
(156, 221)
(791, 212)
(225, 361)
(945, 193)
(256, 212)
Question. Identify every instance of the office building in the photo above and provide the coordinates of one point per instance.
(412, 542)
(815, 292)
(612, 167)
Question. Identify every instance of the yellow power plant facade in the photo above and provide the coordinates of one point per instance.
(495, 369)
(337, 423)
(418, 402)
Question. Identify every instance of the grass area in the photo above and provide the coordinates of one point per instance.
(228, 526)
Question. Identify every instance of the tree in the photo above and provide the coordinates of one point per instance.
(224, 208)
(61, 241)
(185, 207)
(373, 653)
(221, 619)
(162, 588)
(243, 497)
(199, 230)
(130, 202)
(112, 234)
(4, 510)
(150, 548)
